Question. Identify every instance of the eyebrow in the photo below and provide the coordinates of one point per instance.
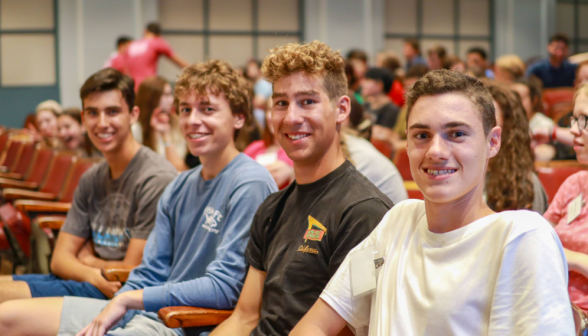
(452, 124)
(297, 94)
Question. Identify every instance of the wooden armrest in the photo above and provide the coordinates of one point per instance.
(120, 273)
(8, 183)
(14, 194)
(50, 222)
(13, 176)
(186, 317)
(41, 206)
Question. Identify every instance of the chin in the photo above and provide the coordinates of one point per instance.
(582, 158)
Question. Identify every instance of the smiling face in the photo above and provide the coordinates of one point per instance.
(304, 119)
(71, 133)
(580, 136)
(107, 119)
(447, 147)
(207, 123)
(47, 123)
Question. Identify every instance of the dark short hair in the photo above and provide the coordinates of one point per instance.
(123, 40)
(381, 75)
(447, 81)
(416, 71)
(154, 28)
(439, 50)
(479, 51)
(560, 37)
(414, 43)
(110, 79)
(357, 54)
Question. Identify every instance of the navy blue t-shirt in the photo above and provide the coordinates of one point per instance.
(553, 77)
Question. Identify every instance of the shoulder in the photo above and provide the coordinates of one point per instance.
(246, 170)
(517, 223)
(354, 188)
(577, 180)
(403, 217)
(154, 163)
(96, 174)
(539, 65)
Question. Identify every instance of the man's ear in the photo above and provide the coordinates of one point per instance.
(494, 139)
(239, 121)
(343, 108)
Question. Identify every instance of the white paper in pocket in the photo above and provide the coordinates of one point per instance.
(363, 271)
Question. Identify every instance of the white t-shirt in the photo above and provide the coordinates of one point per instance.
(376, 167)
(539, 121)
(504, 274)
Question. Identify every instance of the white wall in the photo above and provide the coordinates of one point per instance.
(88, 30)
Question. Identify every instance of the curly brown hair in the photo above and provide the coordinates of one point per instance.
(447, 81)
(217, 77)
(315, 58)
(509, 178)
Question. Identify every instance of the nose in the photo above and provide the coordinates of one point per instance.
(194, 118)
(575, 129)
(293, 115)
(102, 120)
(438, 149)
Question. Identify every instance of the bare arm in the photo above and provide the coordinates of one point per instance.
(132, 258)
(66, 264)
(321, 320)
(577, 261)
(246, 315)
(180, 62)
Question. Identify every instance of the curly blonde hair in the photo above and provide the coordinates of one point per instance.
(315, 58)
(509, 179)
(217, 77)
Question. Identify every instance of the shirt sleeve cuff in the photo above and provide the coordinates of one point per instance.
(154, 298)
(333, 302)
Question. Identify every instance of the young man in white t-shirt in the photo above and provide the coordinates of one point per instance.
(451, 266)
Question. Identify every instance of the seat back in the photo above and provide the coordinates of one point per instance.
(554, 96)
(78, 169)
(403, 164)
(553, 177)
(383, 147)
(41, 161)
(57, 174)
(11, 155)
(3, 141)
(26, 157)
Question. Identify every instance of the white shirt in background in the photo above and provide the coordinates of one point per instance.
(540, 121)
(504, 274)
(376, 168)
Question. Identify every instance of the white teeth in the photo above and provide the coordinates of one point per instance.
(104, 135)
(197, 135)
(441, 172)
(298, 137)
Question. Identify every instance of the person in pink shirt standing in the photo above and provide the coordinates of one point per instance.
(140, 59)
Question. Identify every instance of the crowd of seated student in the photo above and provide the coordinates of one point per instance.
(374, 111)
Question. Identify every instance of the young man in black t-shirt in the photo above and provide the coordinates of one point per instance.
(300, 235)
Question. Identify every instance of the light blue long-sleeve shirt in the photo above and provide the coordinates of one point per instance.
(195, 254)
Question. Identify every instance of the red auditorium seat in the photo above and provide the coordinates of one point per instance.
(413, 190)
(11, 155)
(555, 96)
(401, 162)
(553, 174)
(53, 184)
(39, 166)
(20, 168)
(384, 147)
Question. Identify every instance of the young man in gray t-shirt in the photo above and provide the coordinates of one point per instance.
(114, 205)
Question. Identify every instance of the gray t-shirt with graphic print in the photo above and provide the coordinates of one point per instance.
(111, 212)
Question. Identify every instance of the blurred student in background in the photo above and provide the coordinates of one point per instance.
(45, 130)
(511, 182)
(122, 44)
(72, 133)
(509, 69)
(158, 126)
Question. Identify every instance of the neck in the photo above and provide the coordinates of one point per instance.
(306, 173)
(214, 163)
(446, 217)
(118, 160)
(555, 62)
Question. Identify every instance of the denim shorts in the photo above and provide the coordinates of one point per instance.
(49, 285)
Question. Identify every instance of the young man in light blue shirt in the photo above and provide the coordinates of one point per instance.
(195, 254)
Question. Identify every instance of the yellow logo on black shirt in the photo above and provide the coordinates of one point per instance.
(314, 234)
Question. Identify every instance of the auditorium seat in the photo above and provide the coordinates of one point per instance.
(11, 155)
(23, 163)
(383, 147)
(552, 97)
(413, 190)
(403, 164)
(552, 174)
(39, 166)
